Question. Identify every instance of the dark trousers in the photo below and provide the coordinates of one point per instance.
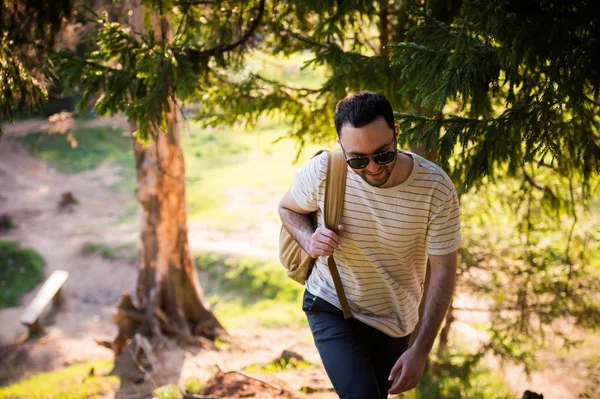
(358, 358)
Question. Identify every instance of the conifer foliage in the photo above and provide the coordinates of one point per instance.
(27, 32)
(347, 38)
(522, 81)
(138, 73)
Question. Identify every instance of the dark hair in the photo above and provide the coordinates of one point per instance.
(360, 109)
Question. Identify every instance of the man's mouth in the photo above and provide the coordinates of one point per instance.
(375, 175)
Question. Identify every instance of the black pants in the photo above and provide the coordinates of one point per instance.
(358, 358)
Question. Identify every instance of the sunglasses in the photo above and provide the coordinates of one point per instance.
(361, 162)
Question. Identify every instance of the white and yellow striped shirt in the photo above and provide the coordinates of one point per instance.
(388, 234)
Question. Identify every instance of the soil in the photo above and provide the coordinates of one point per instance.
(236, 385)
(30, 192)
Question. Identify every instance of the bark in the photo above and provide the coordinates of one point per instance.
(167, 282)
(169, 296)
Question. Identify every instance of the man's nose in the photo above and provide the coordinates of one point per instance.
(372, 166)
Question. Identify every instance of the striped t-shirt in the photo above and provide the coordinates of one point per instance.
(388, 235)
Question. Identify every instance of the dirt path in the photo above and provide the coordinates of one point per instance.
(31, 192)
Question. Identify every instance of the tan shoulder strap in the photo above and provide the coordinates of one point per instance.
(335, 190)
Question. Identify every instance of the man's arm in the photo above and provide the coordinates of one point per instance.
(319, 242)
(411, 365)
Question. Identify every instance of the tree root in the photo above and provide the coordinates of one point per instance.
(131, 321)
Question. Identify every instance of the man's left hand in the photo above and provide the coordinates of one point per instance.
(407, 371)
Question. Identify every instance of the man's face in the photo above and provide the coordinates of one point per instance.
(374, 138)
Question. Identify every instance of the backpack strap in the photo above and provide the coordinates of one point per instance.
(335, 190)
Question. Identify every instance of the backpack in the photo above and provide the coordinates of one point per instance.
(292, 256)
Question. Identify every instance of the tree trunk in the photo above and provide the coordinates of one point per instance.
(169, 296)
(168, 283)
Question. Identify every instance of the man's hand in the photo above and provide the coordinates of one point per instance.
(407, 371)
(320, 242)
(324, 241)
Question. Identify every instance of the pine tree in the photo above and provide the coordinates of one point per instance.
(503, 94)
(523, 80)
(144, 59)
(27, 33)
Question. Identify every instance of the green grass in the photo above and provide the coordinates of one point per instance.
(230, 171)
(94, 146)
(194, 385)
(279, 365)
(227, 171)
(74, 382)
(235, 313)
(247, 292)
(169, 391)
(248, 277)
(20, 271)
(108, 252)
(7, 223)
(455, 382)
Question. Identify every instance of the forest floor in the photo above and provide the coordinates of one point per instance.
(30, 193)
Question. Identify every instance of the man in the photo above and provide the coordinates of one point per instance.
(399, 209)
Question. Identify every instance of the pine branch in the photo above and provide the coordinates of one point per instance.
(451, 119)
(316, 45)
(198, 56)
(280, 85)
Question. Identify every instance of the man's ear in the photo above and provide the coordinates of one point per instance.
(396, 131)
(338, 140)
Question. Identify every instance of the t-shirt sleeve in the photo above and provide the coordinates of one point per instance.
(305, 188)
(443, 233)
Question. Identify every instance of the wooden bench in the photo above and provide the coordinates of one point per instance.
(50, 291)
